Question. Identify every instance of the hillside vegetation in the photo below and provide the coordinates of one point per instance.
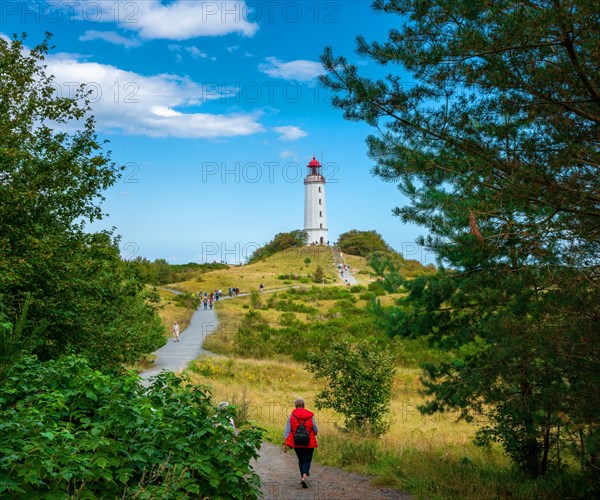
(265, 340)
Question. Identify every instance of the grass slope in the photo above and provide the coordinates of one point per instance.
(432, 457)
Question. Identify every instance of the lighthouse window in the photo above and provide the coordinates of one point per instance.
(319, 189)
(321, 226)
(320, 201)
(320, 214)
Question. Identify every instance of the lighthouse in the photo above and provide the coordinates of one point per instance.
(315, 213)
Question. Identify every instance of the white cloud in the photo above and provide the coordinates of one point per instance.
(110, 37)
(192, 50)
(185, 19)
(300, 70)
(156, 106)
(287, 153)
(290, 133)
(153, 19)
(233, 48)
(196, 53)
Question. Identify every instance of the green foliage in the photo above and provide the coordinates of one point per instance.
(187, 300)
(495, 145)
(281, 241)
(50, 184)
(360, 384)
(362, 243)
(255, 301)
(253, 337)
(67, 430)
(319, 275)
(307, 261)
(160, 272)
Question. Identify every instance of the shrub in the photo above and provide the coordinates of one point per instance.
(255, 301)
(319, 275)
(360, 384)
(68, 431)
(253, 336)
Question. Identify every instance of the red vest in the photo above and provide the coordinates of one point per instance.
(306, 416)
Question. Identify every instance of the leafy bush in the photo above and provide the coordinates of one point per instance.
(362, 243)
(255, 301)
(319, 275)
(67, 430)
(360, 384)
(281, 241)
(187, 300)
(253, 336)
(291, 306)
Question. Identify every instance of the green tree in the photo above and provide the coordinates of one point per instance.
(51, 184)
(362, 243)
(490, 129)
(281, 241)
(360, 384)
(318, 275)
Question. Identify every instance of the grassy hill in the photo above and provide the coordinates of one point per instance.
(280, 270)
(432, 457)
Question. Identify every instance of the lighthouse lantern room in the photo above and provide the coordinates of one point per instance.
(315, 212)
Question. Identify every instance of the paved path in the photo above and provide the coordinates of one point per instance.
(175, 356)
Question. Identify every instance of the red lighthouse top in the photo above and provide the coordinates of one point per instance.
(314, 172)
(315, 166)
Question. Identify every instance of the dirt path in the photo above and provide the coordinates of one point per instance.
(281, 480)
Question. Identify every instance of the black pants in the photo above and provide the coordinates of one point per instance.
(304, 459)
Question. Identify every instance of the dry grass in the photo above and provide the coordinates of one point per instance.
(248, 278)
(169, 312)
(416, 452)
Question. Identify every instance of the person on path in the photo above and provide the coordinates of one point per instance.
(210, 301)
(262, 288)
(205, 302)
(304, 452)
(222, 407)
(175, 330)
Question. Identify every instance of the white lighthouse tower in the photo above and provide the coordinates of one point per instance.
(315, 212)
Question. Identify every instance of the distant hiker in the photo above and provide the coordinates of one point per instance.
(175, 330)
(210, 301)
(222, 407)
(230, 292)
(205, 302)
(300, 423)
(262, 288)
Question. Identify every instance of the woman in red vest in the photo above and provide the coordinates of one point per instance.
(293, 435)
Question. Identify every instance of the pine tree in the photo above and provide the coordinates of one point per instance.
(490, 127)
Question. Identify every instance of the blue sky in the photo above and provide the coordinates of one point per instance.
(214, 109)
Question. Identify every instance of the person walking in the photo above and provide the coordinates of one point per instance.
(175, 330)
(301, 419)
